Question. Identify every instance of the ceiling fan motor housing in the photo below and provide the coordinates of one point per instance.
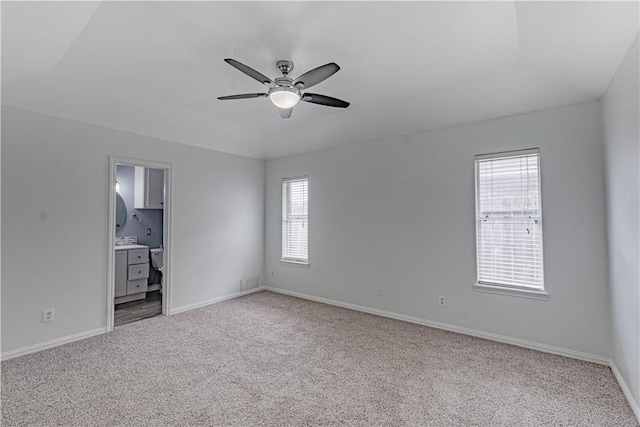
(283, 81)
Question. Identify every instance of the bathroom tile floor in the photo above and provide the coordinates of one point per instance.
(138, 310)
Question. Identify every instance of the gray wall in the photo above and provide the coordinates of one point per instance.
(621, 111)
(399, 213)
(55, 182)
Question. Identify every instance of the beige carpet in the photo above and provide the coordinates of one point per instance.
(271, 360)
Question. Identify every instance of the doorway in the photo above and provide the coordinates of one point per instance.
(139, 249)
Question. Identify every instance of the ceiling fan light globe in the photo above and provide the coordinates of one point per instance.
(284, 97)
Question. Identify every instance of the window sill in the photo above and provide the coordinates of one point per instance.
(301, 264)
(523, 293)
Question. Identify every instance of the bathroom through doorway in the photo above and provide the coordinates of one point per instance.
(138, 285)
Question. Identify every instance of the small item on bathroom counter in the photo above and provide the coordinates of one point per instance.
(126, 240)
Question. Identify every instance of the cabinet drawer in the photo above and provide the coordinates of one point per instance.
(138, 256)
(136, 286)
(138, 271)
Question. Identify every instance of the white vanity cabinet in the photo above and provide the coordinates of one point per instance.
(121, 273)
(148, 188)
(132, 272)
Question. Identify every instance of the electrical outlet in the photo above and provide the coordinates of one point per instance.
(48, 315)
(273, 272)
(442, 300)
(380, 291)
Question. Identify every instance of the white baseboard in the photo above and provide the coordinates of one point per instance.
(480, 334)
(626, 390)
(12, 354)
(453, 328)
(188, 307)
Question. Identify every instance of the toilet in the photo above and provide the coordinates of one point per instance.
(158, 263)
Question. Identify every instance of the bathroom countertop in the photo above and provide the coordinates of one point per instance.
(127, 247)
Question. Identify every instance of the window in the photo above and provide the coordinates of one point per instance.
(509, 222)
(295, 220)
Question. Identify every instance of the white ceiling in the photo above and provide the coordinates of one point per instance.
(156, 68)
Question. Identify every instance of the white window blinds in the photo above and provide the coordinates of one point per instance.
(509, 220)
(295, 219)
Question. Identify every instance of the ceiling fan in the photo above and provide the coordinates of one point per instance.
(285, 92)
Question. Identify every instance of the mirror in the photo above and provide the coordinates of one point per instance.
(121, 212)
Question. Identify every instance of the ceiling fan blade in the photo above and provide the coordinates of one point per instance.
(243, 96)
(315, 76)
(285, 113)
(250, 72)
(314, 98)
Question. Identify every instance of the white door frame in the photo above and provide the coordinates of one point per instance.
(114, 161)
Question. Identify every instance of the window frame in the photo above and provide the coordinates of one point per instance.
(295, 262)
(504, 288)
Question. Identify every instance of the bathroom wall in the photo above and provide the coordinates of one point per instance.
(149, 218)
